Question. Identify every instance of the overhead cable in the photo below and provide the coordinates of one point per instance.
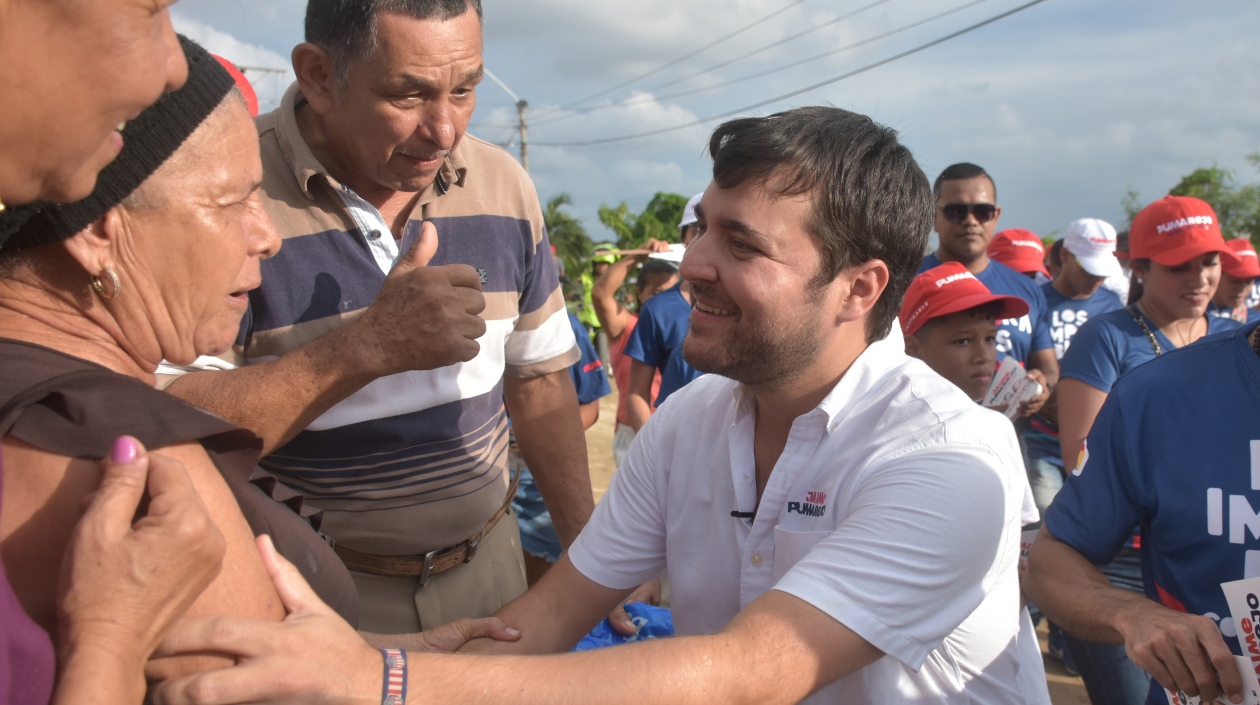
(785, 96)
(645, 100)
(684, 57)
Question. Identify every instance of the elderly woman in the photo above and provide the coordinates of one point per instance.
(73, 72)
(156, 263)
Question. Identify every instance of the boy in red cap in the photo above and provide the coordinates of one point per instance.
(1237, 279)
(949, 319)
(1020, 250)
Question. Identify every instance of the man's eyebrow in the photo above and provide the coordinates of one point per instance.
(416, 83)
(743, 228)
(475, 75)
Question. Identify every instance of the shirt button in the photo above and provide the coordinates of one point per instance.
(374, 235)
(757, 560)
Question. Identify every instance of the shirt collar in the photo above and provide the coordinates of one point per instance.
(453, 172)
(871, 366)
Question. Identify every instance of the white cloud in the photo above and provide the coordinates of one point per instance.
(269, 85)
(1067, 104)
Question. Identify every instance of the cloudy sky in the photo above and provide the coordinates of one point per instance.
(1067, 103)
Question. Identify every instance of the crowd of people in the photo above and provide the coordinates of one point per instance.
(292, 408)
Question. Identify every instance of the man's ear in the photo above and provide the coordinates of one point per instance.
(866, 283)
(93, 247)
(316, 75)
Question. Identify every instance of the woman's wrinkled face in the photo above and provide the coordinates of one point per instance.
(197, 233)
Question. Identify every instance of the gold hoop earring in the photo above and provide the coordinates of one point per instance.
(114, 283)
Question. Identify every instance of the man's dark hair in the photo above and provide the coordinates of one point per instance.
(870, 198)
(346, 29)
(1056, 253)
(958, 172)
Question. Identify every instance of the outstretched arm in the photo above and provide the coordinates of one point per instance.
(1182, 651)
(424, 318)
(778, 650)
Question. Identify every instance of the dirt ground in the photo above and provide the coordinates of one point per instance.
(1064, 689)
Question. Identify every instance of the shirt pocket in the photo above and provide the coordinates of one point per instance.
(789, 548)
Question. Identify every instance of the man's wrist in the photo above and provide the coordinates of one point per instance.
(350, 353)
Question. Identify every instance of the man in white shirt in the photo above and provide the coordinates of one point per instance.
(838, 522)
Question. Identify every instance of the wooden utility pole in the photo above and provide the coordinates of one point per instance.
(520, 112)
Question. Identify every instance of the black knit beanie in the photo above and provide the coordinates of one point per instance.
(148, 141)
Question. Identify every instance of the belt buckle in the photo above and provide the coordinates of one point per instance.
(426, 569)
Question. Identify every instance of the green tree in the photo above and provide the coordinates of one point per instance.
(573, 245)
(1237, 206)
(658, 220)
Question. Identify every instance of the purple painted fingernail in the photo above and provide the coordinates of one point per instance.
(125, 450)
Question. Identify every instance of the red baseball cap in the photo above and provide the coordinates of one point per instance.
(947, 289)
(242, 83)
(1175, 230)
(1248, 264)
(1020, 250)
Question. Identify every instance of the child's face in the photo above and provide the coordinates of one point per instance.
(961, 347)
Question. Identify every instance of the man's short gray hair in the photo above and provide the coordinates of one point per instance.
(346, 29)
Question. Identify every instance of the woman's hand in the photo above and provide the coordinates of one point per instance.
(125, 581)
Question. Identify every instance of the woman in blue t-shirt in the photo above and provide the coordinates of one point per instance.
(1176, 249)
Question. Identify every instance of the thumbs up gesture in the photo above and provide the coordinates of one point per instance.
(425, 317)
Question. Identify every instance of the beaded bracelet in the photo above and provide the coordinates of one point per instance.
(394, 688)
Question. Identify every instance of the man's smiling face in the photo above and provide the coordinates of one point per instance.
(758, 310)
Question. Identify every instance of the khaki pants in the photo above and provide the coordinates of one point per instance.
(478, 588)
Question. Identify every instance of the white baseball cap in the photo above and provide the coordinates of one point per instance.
(1093, 243)
(689, 213)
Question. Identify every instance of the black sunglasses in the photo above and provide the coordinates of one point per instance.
(957, 212)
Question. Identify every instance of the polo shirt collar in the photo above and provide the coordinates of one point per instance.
(453, 172)
(867, 370)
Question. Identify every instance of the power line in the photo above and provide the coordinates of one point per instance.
(772, 45)
(637, 100)
(785, 96)
(682, 58)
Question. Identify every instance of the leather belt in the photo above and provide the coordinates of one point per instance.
(427, 565)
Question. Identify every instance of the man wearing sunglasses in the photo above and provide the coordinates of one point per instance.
(966, 218)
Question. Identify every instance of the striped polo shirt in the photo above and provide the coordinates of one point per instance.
(414, 461)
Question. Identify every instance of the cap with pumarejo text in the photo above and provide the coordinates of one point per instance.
(1175, 230)
(947, 289)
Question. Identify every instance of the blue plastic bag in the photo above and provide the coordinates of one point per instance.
(653, 623)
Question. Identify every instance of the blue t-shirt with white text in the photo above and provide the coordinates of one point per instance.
(1017, 337)
(657, 340)
(1173, 451)
(1063, 318)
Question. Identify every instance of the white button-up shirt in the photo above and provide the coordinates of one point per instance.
(894, 508)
